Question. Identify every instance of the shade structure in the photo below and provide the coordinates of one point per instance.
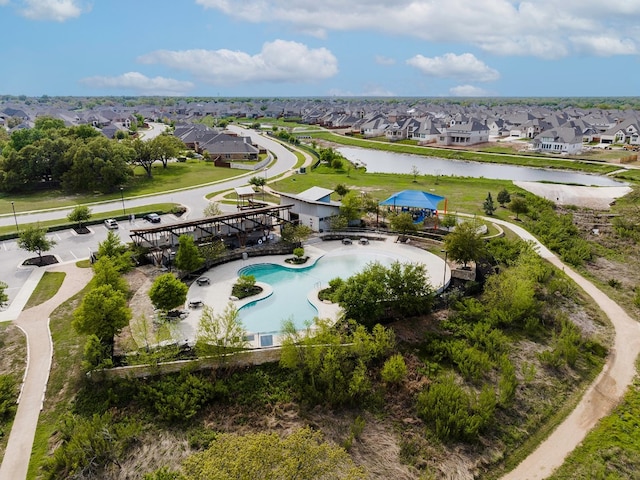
(413, 198)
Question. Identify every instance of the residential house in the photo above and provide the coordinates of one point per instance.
(626, 131)
(464, 134)
(566, 140)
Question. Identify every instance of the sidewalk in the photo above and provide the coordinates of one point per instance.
(34, 322)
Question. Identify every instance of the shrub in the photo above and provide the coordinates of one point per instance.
(8, 395)
(394, 369)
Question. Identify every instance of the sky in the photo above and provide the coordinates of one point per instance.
(317, 48)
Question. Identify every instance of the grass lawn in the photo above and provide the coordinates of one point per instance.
(462, 194)
(176, 176)
(47, 287)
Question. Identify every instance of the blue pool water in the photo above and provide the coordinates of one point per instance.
(292, 286)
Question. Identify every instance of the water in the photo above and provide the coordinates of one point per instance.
(377, 161)
(292, 286)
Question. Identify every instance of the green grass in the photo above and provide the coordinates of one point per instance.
(463, 194)
(612, 449)
(65, 379)
(175, 177)
(511, 159)
(47, 287)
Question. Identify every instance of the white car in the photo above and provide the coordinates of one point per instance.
(111, 223)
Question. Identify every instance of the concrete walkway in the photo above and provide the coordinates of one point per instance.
(35, 324)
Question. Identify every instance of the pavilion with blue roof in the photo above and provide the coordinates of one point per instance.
(420, 204)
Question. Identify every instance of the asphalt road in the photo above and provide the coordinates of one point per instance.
(74, 247)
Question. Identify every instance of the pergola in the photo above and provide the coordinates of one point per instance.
(235, 230)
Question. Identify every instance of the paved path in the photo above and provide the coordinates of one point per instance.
(603, 394)
(35, 323)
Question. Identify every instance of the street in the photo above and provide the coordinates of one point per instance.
(71, 247)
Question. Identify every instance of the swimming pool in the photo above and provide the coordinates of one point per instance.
(292, 286)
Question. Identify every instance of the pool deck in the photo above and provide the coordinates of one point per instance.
(217, 293)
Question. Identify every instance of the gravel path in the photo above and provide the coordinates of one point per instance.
(603, 394)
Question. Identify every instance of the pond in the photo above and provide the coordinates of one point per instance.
(377, 161)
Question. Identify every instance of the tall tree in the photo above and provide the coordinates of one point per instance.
(167, 292)
(503, 197)
(103, 313)
(144, 155)
(188, 256)
(488, 205)
(34, 239)
(465, 243)
(258, 181)
(113, 248)
(79, 215)
(220, 333)
(166, 147)
(518, 205)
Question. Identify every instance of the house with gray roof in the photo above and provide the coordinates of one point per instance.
(464, 134)
(567, 140)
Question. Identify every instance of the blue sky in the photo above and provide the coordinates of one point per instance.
(285, 48)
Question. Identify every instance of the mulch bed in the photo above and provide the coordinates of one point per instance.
(46, 260)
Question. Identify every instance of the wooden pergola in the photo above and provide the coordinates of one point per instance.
(235, 230)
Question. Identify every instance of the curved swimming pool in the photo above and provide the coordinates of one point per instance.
(291, 286)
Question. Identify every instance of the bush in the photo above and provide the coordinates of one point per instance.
(8, 395)
(394, 370)
(177, 397)
(455, 413)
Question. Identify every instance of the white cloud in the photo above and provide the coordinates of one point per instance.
(450, 65)
(279, 62)
(141, 84)
(382, 60)
(56, 10)
(4, 2)
(468, 91)
(605, 46)
(541, 28)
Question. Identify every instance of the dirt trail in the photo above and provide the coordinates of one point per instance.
(603, 394)
(35, 323)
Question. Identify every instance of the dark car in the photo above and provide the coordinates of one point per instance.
(152, 217)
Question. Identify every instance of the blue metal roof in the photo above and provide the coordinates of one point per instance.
(413, 198)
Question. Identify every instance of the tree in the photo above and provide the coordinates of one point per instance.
(165, 147)
(219, 333)
(503, 197)
(167, 292)
(415, 171)
(351, 207)
(301, 455)
(4, 298)
(260, 182)
(518, 205)
(113, 248)
(79, 215)
(106, 272)
(488, 205)
(212, 209)
(144, 155)
(465, 243)
(212, 250)
(403, 223)
(103, 313)
(188, 256)
(295, 233)
(34, 239)
(341, 189)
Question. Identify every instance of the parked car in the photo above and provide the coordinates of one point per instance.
(152, 217)
(111, 223)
